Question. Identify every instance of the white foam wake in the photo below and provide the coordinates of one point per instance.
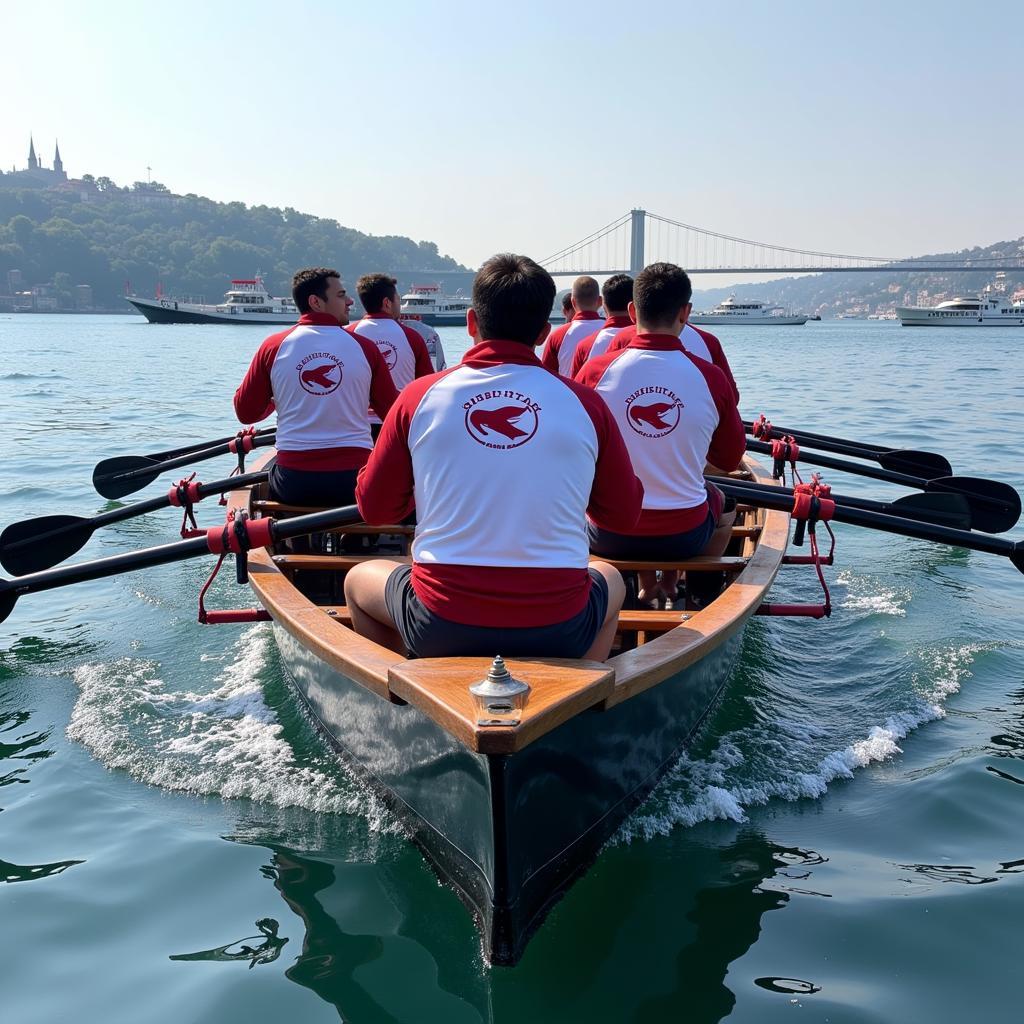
(226, 741)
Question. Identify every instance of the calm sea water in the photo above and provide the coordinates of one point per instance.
(844, 843)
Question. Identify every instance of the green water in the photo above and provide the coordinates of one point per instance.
(844, 843)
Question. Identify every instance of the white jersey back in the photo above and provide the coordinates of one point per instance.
(431, 339)
(387, 334)
(524, 423)
(321, 380)
(693, 342)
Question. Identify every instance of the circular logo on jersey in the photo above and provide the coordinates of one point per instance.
(653, 412)
(501, 419)
(388, 351)
(320, 373)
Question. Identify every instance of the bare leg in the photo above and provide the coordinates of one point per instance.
(703, 587)
(364, 595)
(648, 586)
(722, 535)
(602, 645)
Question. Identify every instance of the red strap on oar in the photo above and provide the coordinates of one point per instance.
(240, 445)
(184, 494)
(238, 535)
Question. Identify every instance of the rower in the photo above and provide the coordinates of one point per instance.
(676, 413)
(616, 294)
(403, 349)
(567, 310)
(321, 380)
(430, 338)
(562, 342)
(476, 447)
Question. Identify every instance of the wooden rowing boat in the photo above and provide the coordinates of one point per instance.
(510, 815)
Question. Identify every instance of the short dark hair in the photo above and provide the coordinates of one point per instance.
(373, 289)
(512, 298)
(659, 293)
(566, 301)
(585, 289)
(617, 292)
(311, 281)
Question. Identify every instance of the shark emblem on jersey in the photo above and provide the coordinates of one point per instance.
(496, 423)
(320, 378)
(653, 412)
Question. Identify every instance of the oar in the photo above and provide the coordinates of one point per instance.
(925, 464)
(259, 532)
(995, 506)
(941, 509)
(172, 453)
(36, 544)
(126, 474)
(773, 497)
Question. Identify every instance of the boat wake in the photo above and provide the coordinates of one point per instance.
(788, 751)
(227, 741)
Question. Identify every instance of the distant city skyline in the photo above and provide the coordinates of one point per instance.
(796, 124)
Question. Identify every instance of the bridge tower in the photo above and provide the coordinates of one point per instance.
(638, 220)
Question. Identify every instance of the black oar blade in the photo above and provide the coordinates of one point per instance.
(995, 506)
(1016, 556)
(37, 544)
(926, 464)
(942, 509)
(108, 477)
(7, 599)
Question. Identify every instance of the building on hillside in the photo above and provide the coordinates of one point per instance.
(36, 173)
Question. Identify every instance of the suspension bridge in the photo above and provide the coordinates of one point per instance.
(638, 237)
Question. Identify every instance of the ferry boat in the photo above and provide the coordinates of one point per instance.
(246, 302)
(748, 312)
(987, 311)
(425, 302)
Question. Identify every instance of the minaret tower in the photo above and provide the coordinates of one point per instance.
(58, 164)
(33, 163)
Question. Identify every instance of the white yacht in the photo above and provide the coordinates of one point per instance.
(425, 302)
(748, 312)
(987, 311)
(246, 302)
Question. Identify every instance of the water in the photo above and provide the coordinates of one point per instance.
(843, 843)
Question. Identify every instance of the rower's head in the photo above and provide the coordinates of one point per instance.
(661, 299)
(586, 295)
(379, 295)
(512, 299)
(617, 294)
(319, 290)
(567, 310)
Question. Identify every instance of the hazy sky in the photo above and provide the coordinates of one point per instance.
(869, 128)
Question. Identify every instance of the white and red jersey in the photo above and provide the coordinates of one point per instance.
(502, 460)
(431, 339)
(404, 351)
(702, 344)
(562, 341)
(321, 379)
(596, 344)
(676, 412)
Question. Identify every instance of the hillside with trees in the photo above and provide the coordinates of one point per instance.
(97, 233)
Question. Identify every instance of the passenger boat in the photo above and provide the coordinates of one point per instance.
(246, 302)
(511, 804)
(984, 311)
(425, 302)
(748, 312)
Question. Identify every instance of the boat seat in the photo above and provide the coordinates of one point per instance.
(331, 563)
(281, 511)
(637, 621)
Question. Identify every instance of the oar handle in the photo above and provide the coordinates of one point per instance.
(185, 449)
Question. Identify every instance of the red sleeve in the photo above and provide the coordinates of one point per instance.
(549, 357)
(582, 353)
(616, 495)
(592, 371)
(623, 338)
(718, 358)
(419, 351)
(254, 399)
(382, 388)
(384, 490)
(729, 441)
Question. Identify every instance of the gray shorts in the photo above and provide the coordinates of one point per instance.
(427, 635)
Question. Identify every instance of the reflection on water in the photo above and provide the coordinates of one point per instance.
(28, 872)
(267, 950)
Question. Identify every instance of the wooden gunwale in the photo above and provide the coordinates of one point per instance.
(562, 688)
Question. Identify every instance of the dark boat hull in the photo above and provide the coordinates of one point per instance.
(167, 311)
(511, 832)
